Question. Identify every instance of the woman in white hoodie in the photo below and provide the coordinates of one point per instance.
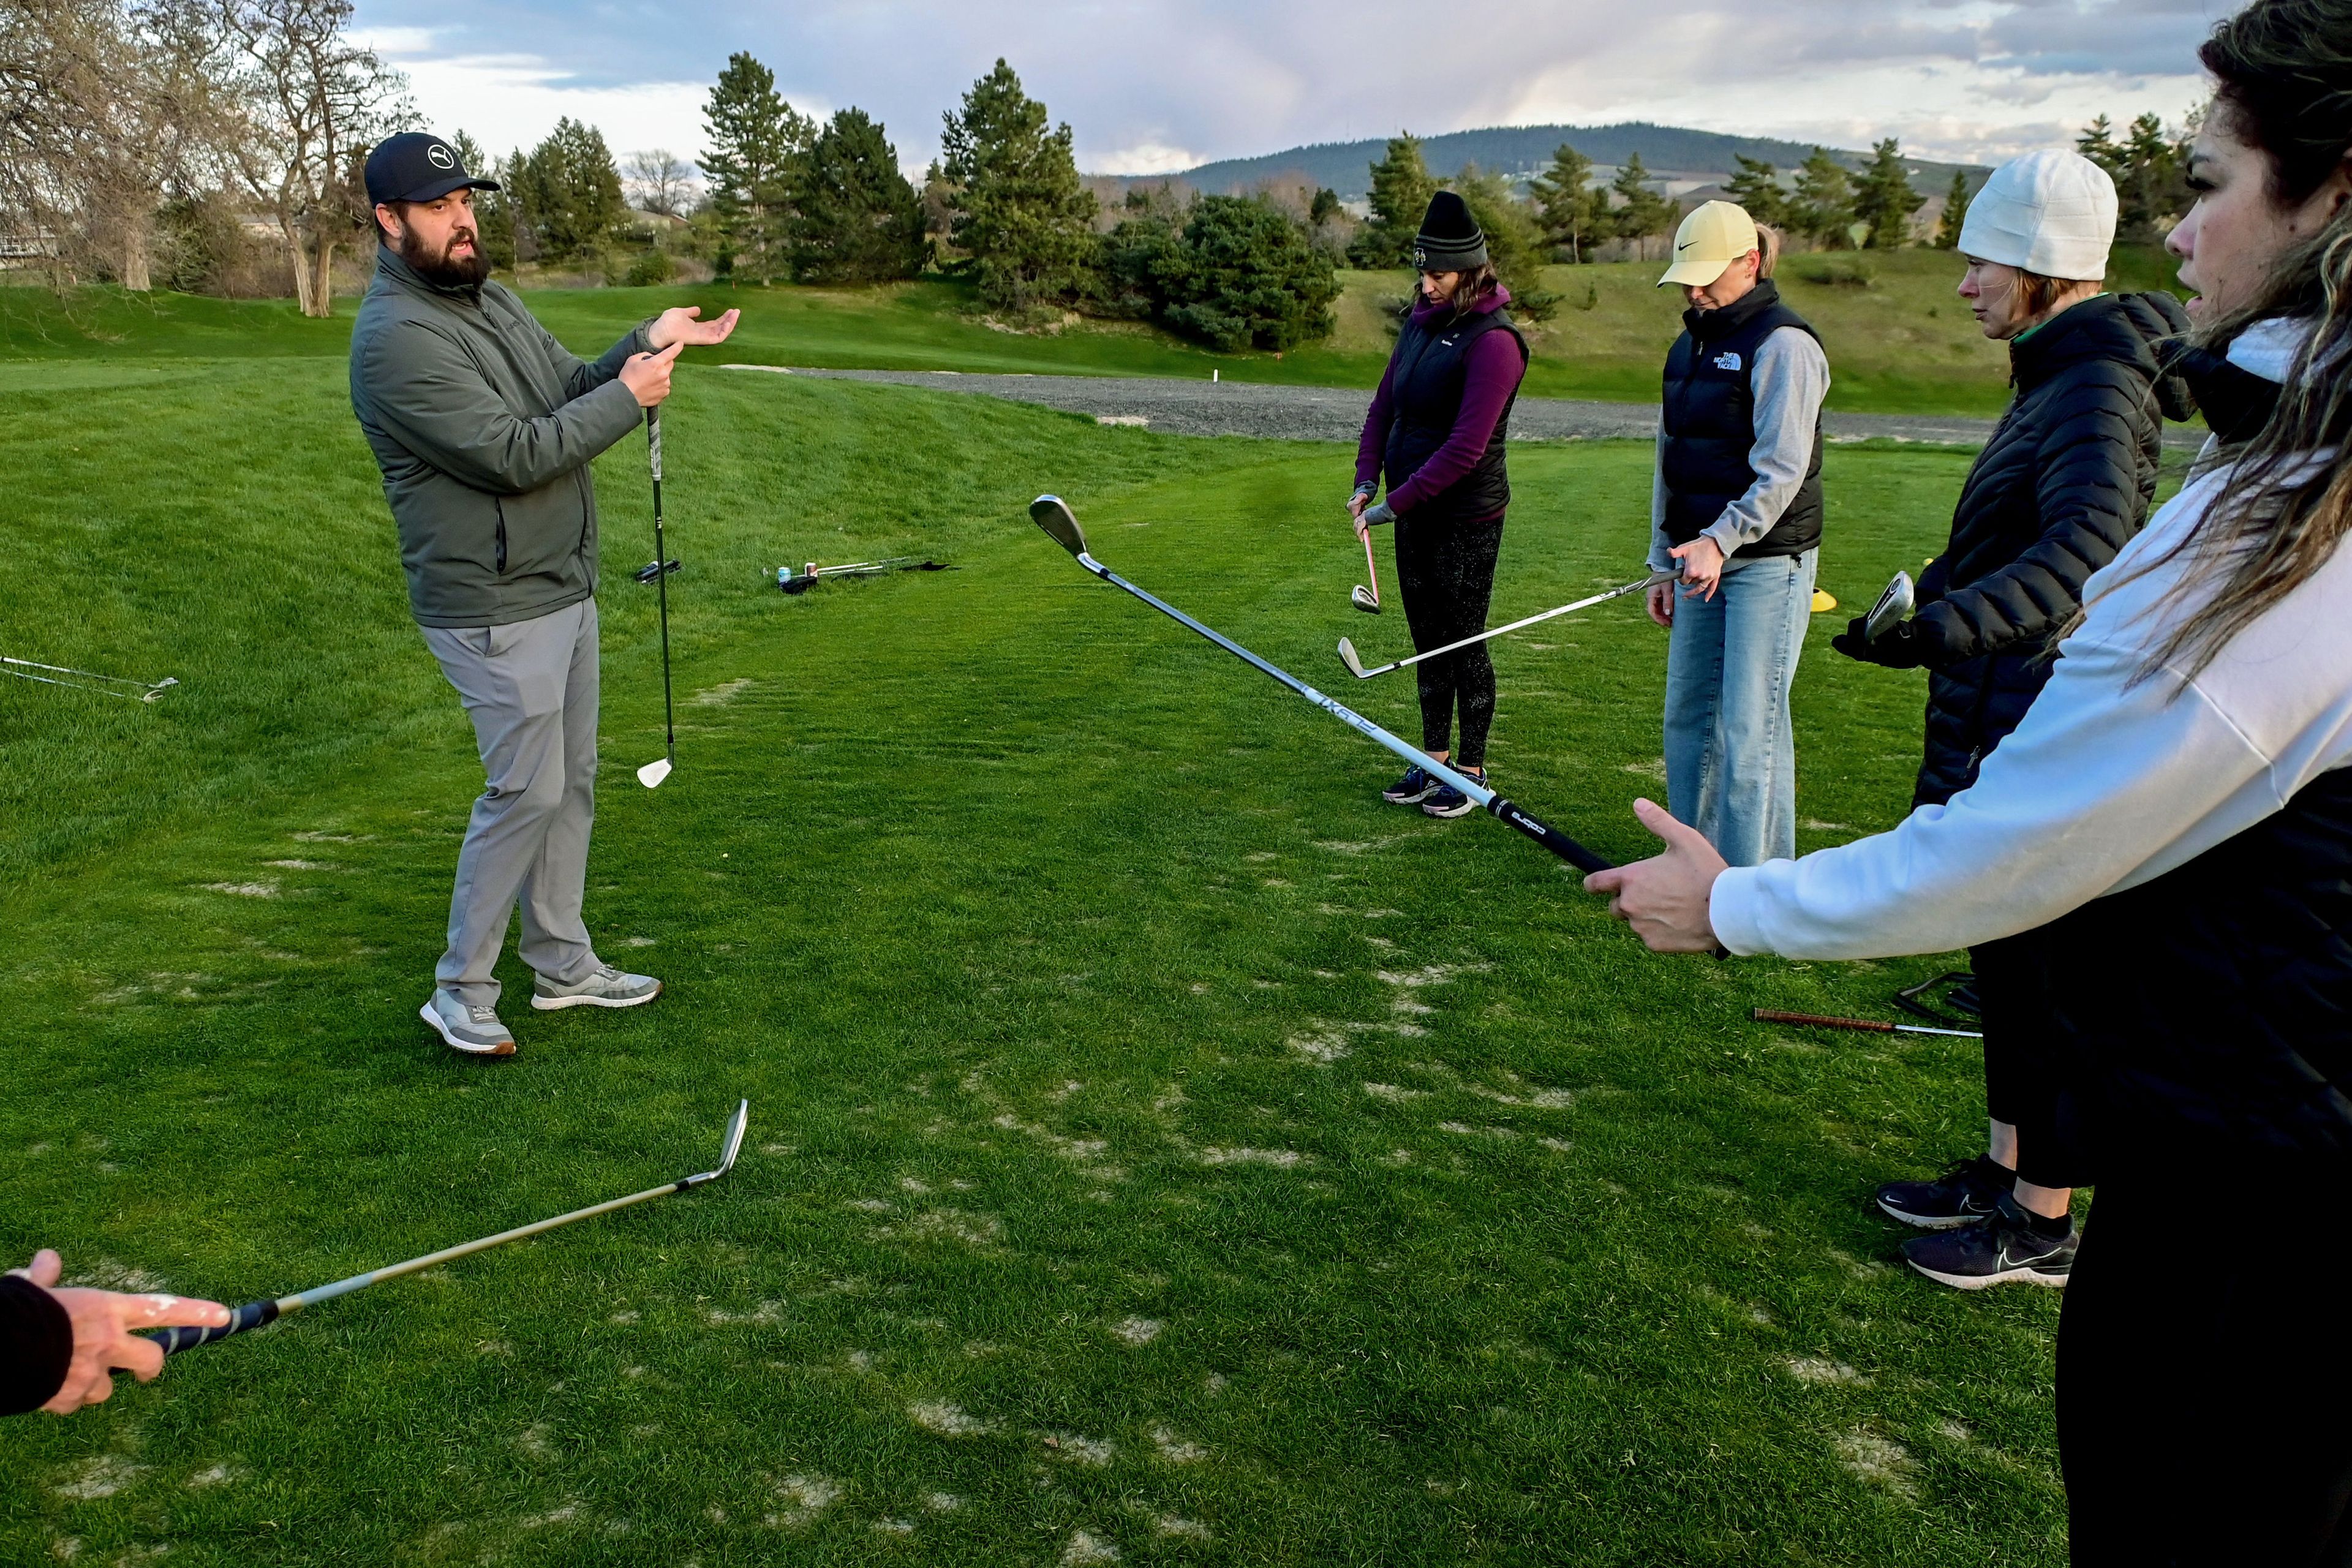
(2175, 810)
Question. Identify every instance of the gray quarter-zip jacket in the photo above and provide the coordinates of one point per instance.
(484, 426)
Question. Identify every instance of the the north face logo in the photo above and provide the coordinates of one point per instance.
(440, 157)
(1726, 359)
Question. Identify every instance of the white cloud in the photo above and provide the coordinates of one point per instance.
(1145, 158)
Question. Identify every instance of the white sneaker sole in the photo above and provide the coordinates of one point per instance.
(556, 1003)
(1983, 1281)
(495, 1048)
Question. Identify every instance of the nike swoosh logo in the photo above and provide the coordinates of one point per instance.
(1685, 247)
(2005, 1261)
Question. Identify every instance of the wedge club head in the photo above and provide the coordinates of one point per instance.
(1348, 656)
(1893, 605)
(733, 1146)
(1053, 514)
(1364, 599)
(653, 773)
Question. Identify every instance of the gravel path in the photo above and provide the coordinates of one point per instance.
(1337, 413)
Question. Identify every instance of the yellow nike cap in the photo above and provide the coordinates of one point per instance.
(1715, 236)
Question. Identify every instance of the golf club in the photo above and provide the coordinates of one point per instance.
(810, 575)
(652, 774)
(1368, 599)
(140, 690)
(653, 569)
(1347, 655)
(1893, 605)
(1867, 1025)
(1050, 513)
(253, 1314)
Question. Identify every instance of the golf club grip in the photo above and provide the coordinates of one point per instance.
(1817, 1021)
(1551, 838)
(252, 1315)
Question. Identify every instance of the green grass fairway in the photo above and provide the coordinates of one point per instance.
(1162, 1152)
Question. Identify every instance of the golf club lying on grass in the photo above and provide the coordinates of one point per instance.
(1867, 1025)
(653, 569)
(810, 575)
(1368, 599)
(1893, 605)
(652, 774)
(253, 1314)
(88, 680)
(1050, 513)
(1356, 666)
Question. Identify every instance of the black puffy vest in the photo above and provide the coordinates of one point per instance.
(1709, 416)
(1427, 374)
(2205, 1018)
(2064, 483)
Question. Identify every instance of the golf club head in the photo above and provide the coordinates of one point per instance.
(1893, 605)
(653, 773)
(1348, 656)
(733, 1143)
(1364, 599)
(1053, 514)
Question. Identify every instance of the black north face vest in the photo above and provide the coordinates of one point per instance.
(2205, 1018)
(1709, 416)
(1428, 372)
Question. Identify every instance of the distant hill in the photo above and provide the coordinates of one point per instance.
(1670, 151)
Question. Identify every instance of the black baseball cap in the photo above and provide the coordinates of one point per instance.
(417, 166)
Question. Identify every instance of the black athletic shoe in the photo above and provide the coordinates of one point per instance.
(1994, 1252)
(1968, 1191)
(1447, 800)
(1416, 786)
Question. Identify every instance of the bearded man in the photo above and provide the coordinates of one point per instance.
(484, 426)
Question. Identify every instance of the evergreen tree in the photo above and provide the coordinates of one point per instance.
(1565, 203)
(1640, 212)
(570, 192)
(1514, 244)
(1243, 272)
(515, 176)
(2097, 142)
(858, 219)
(1757, 188)
(1022, 215)
(1324, 208)
(2152, 191)
(1956, 210)
(493, 212)
(1883, 198)
(1401, 187)
(756, 141)
(1823, 205)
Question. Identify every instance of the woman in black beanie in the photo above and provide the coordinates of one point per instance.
(1435, 432)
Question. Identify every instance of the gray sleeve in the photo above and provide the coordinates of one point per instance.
(581, 377)
(1791, 379)
(1659, 544)
(425, 393)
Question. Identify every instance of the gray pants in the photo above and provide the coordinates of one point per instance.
(530, 689)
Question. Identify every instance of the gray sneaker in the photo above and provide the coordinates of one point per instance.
(605, 987)
(473, 1030)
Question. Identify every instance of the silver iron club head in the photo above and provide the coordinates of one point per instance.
(653, 773)
(1893, 605)
(1348, 656)
(1364, 599)
(736, 1126)
(1053, 514)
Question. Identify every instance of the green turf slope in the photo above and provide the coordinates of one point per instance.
(1161, 1147)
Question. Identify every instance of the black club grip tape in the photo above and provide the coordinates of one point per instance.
(1551, 838)
(252, 1315)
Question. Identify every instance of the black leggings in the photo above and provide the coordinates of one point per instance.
(2022, 1083)
(1445, 574)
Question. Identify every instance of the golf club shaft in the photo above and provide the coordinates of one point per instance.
(1551, 838)
(1531, 620)
(1371, 572)
(669, 711)
(1867, 1025)
(143, 690)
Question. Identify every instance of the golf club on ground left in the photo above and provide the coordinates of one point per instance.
(253, 1314)
(652, 774)
(1050, 513)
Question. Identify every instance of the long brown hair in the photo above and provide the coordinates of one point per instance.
(2283, 72)
(1474, 285)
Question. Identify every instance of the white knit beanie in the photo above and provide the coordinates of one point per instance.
(2049, 212)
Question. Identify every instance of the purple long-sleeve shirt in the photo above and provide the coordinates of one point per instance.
(1490, 376)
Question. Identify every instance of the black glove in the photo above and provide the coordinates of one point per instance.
(1899, 649)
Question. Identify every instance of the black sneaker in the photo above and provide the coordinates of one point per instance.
(1447, 800)
(1994, 1252)
(1416, 786)
(1968, 1191)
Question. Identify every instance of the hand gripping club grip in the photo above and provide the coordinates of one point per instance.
(252, 1315)
(1551, 838)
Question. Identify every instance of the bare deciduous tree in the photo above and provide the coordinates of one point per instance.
(659, 181)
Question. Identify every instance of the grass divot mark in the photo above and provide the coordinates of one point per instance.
(244, 890)
(102, 1475)
(1393, 1094)
(947, 1420)
(1137, 1330)
(1086, 1550)
(1280, 1159)
(942, 1502)
(217, 1476)
(1174, 1449)
(723, 693)
(808, 1496)
(106, 1274)
(1098, 1452)
(1814, 1369)
(1879, 1460)
(1177, 1527)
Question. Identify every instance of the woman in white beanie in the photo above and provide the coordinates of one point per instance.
(2066, 482)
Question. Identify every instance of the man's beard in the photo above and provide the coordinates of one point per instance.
(437, 267)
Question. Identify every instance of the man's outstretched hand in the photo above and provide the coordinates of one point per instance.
(685, 325)
(1663, 899)
(106, 1332)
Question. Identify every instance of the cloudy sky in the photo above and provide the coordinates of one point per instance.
(1156, 85)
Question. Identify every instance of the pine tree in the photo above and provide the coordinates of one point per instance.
(1401, 187)
(1883, 198)
(1956, 210)
(1244, 272)
(1640, 212)
(570, 192)
(2097, 142)
(1823, 207)
(1021, 214)
(2152, 190)
(1565, 203)
(756, 140)
(1757, 188)
(493, 210)
(858, 219)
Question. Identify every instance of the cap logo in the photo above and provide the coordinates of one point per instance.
(440, 157)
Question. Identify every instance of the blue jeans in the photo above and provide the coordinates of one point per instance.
(1731, 762)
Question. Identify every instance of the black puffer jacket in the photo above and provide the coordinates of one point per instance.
(2064, 484)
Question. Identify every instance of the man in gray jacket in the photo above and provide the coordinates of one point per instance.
(484, 426)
